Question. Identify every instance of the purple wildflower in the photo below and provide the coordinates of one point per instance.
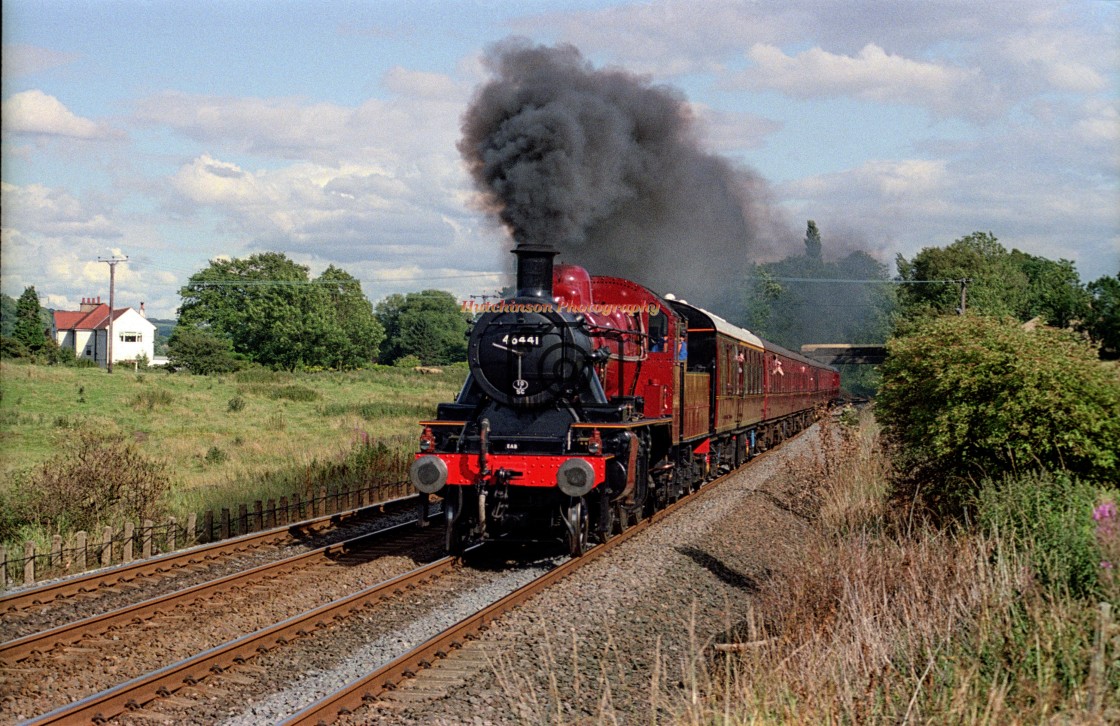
(1108, 540)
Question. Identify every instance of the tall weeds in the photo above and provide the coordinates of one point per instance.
(888, 619)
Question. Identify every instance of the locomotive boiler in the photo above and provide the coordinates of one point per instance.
(591, 401)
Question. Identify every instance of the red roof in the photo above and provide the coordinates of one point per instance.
(96, 319)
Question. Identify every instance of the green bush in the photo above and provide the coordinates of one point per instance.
(216, 455)
(407, 361)
(1049, 518)
(98, 478)
(965, 398)
(202, 352)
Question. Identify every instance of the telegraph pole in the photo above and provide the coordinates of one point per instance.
(964, 294)
(112, 263)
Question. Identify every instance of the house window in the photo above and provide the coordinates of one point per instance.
(131, 338)
(89, 351)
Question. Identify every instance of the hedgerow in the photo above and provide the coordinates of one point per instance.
(964, 398)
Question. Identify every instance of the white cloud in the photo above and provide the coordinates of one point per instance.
(41, 210)
(727, 132)
(347, 212)
(419, 84)
(871, 75)
(905, 205)
(55, 240)
(34, 112)
(423, 120)
(1100, 125)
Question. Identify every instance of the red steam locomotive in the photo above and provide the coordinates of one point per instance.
(592, 401)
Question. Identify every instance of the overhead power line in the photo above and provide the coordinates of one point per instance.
(259, 283)
(871, 281)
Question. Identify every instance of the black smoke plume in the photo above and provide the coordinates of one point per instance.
(605, 166)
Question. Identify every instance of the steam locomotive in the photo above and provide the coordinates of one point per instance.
(592, 401)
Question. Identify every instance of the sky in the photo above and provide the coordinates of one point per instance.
(175, 133)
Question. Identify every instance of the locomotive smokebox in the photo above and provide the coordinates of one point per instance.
(534, 270)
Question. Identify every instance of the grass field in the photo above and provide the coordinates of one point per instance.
(221, 436)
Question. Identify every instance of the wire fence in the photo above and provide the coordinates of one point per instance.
(84, 551)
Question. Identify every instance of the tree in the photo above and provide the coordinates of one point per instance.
(812, 241)
(1102, 320)
(1054, 290)
(428, 324)
(7, 315)
(274, 314)
(970, 397)
(29, 321)
(362, 333)
(851, 303)
(202, 352)
(998, 282)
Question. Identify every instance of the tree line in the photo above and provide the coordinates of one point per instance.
(806, 298)
(266, 309)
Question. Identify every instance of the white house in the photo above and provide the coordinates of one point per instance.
(86, 332)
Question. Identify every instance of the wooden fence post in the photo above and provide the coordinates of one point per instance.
(225, 532)
(191, 535)
(28, 563)
(297, 506)
(129, 533)
(258, 515)
(106, 546)
(81, 541)
(146, 540)
(171, 533)
(56, 551)
(270, 514)
(283, 512)
(3, 567)
(242, 519)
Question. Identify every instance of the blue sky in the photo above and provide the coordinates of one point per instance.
(178, 132)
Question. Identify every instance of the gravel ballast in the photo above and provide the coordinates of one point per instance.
(621, 640)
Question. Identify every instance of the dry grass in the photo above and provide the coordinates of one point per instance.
(878, 618)
(889, 620)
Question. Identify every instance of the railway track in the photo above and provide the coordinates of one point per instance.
(111, 579)
(410, 676)
(177, 690)
(45, 669)
(406, 537)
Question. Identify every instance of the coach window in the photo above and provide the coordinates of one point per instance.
(728, 357)
(701, 356)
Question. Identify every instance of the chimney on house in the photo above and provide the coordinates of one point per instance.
(142, 313)
(89, 303)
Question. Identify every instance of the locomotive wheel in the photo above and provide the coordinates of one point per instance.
(608, 518)
(621, 516)
(579, 527)
(456, 538)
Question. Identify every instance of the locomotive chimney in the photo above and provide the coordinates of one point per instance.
(534, 270)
